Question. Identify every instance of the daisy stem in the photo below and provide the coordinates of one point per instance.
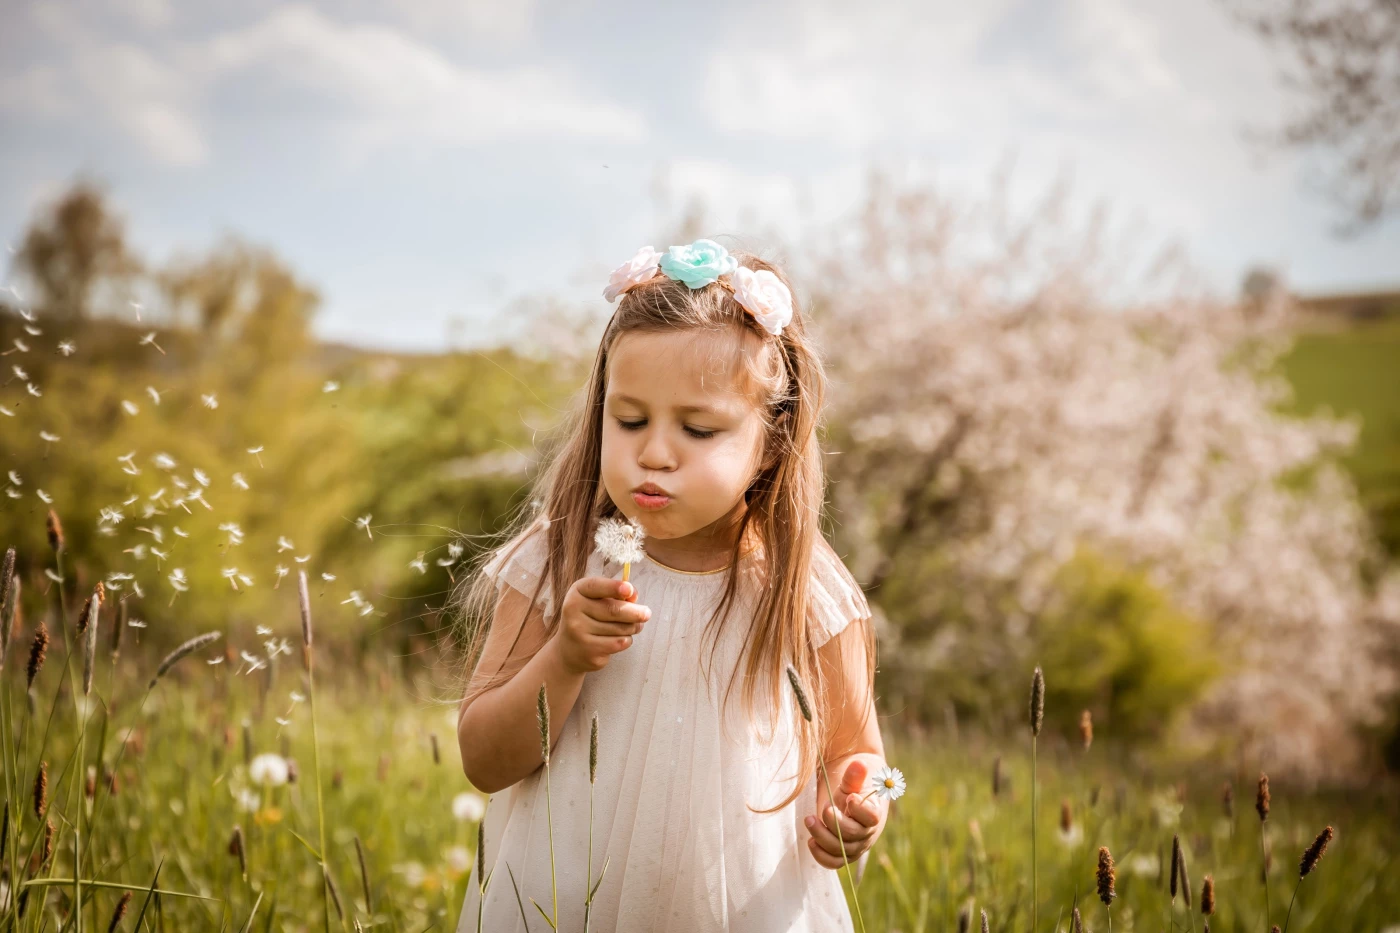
(831, 801)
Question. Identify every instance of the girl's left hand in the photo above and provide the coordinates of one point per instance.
(861, 823)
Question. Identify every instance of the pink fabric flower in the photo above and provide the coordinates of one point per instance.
(764, 296)
(640, 268)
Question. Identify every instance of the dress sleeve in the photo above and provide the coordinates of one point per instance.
(836, 598)
(520, 564)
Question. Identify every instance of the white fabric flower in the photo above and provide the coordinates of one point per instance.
(268, 769)
(640, 268)
(764, 296)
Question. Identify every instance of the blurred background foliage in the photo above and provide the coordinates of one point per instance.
(438, 449)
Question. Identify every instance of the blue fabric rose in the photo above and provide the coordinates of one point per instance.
(698, 264)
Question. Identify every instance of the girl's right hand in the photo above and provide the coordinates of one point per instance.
(598, 618)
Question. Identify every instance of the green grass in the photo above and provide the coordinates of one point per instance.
(1356, 370)
(177, 804)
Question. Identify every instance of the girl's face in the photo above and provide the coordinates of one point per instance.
(675, 415)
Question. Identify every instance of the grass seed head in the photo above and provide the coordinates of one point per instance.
(1261, 799)
(801, 694)
(1076, 922)
(41, 790)
(1207, 895)
(119, 912)
(593, 751)
(55, 529)
(1086, 728)
(1037, 701)
(1314, 852)
(1176, 863)
(1105, 876)
(37, 650)
(542, 715)
(181, 652)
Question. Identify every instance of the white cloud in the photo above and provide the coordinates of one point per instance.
(386, 87)
(397, 87)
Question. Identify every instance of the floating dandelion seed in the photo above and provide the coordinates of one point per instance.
(301, 560)
(130, 407)
(46, 436)
(67, 348)
(180, 533)
(49, 572)
(212, 661)
(6, 412)
(239, 481)
(19, 371)
(363, 522)
(256, 452)
(231, 575)
(330, 386)
(620, 541)
(281, 572)
(178, 581)
(33, 389)
(150, 340)
(32, 331)
(14, 478)
(20, 345)
(283, 544)
(210, 401)
(164, 461)
(327, 576)
(418, 563)
(12, 492)
(262, 630)
(159, 555)
(155, 396)
(201, 477)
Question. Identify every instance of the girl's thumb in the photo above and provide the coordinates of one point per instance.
(627, 590)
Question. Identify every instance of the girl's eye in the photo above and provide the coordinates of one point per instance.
(638, 425)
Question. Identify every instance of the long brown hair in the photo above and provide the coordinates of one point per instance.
(784, 502)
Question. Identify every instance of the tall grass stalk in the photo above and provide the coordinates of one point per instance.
(542, 714)
(304, 597)
(1037, 719)
(831, 798)
(1261, 806)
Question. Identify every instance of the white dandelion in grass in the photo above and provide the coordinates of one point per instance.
(67, 347)
(269, 770)
(620, 540)
(210, 400)
(363, 522)
(239, 481)
(154, 394)
(468, 807)
(256, 452)
(130, 407)
(150, 341)
(887, 782)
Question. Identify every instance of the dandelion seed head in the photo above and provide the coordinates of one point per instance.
(619, 540)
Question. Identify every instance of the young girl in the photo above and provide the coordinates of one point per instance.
(699, 421)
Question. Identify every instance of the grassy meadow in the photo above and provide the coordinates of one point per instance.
(168, 778)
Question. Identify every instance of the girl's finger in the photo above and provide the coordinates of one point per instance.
(826, 838)
(866, 814)
(826, 859)
(850, 829)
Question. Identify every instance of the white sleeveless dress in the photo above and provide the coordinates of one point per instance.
(684, 852)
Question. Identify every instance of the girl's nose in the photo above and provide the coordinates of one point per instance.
(655, 453)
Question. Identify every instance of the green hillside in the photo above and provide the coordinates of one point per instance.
(1357, 369)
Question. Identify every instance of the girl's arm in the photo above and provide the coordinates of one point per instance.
(498, 731)
(849, 704)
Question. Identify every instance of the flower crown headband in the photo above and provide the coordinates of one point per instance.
(762, 294)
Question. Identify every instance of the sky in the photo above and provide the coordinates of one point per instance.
(426, 164)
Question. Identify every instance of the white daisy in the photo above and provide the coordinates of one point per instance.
(887, 782)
